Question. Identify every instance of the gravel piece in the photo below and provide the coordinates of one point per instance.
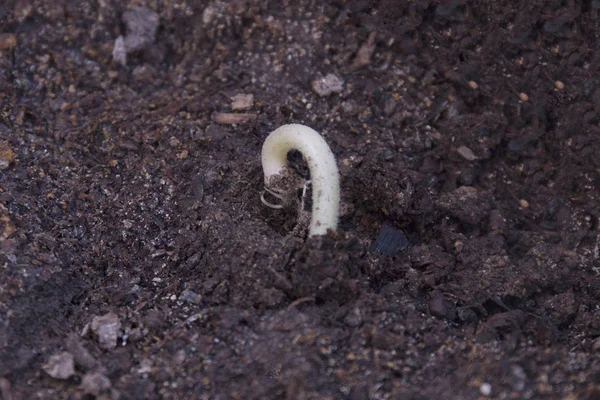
(95, 383)
(60, 366)
(327, 85)
(107, 329)
(190, 296)
(466, 153)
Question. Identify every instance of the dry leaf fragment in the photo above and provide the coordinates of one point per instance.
(363, 57)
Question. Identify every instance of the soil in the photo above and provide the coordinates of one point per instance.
(138, 261)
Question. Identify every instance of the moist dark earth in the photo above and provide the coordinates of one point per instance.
(138, 262)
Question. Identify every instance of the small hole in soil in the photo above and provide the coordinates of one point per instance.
(297, 163)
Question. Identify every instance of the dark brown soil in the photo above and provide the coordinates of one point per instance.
(467, 260)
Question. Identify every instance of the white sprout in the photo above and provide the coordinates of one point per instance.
(323, 172)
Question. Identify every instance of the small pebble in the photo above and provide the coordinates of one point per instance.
(106, 328)
(327, 85)
(523, 203)
(389, 240)
(353, 318)
(559, 85)
(517, 378)
(142, 24)
(523, 96)
(95, 383)
(60, 366)
(473, 84)
(190, 296)
(438, 306)
(466, 153)
(485, 389)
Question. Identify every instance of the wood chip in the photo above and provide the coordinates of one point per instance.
(230, 118)
(242, 101)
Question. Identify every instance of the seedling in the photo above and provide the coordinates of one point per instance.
(282, 182)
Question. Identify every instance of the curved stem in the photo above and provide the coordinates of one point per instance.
(323, 170)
